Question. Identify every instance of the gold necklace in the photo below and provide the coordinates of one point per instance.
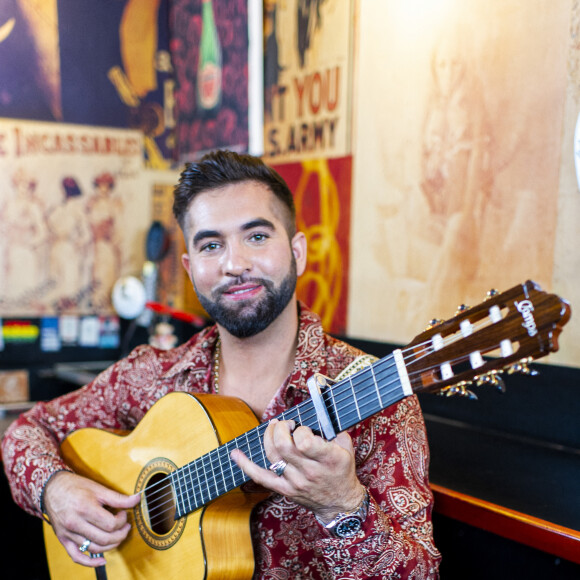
(216, 365)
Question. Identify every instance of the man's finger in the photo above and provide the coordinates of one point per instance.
(80, 557)
(101, 539)
(261, 476)
(117, 500)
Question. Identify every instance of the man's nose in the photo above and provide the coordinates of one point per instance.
(237, 259)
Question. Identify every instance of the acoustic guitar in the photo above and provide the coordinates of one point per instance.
(193, 518)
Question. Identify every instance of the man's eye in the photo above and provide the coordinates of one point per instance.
(259, 237)
(210, 247)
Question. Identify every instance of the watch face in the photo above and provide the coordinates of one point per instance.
(348, 527)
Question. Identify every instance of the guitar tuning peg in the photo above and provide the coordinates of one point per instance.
(433, 322)
(498, 383)
(482, 380)
(458, 390)
(523, 368)
(469, 394)
(526, 370)
(461, 308)
(491, 293)
(448, 391)
(462, 390)
(492, 378)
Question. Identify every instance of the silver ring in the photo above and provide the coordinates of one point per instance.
(278, 467)
(84, 546)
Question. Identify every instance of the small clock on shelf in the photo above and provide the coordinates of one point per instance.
(129, 297)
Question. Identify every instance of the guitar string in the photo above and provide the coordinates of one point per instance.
(363, 386)
(166, 501)
(212, 482)
(307, 418)
(154, 512)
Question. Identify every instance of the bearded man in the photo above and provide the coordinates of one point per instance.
(356, 506)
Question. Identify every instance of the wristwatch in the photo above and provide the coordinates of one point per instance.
(349, 524)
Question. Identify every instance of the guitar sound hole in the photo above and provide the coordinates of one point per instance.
(160, 504)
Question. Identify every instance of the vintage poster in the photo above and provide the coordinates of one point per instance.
(216, 47)
(307, 79)
(321, 190)
(91, 63)
(457, 168)
(72, 217)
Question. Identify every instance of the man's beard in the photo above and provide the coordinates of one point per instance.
(258, 316)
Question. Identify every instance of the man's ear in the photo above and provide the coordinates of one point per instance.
(299, 247)
(186, 264)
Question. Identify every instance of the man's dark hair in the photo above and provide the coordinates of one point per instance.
(221, 168)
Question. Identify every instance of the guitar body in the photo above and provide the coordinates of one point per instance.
(211, 542)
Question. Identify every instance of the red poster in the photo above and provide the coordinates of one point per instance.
(322, 190)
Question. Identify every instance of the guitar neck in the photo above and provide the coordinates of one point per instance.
(515, 327)
(348, 402)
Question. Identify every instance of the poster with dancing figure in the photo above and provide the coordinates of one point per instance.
(71, 219)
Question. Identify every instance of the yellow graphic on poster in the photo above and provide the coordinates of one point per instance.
(324, 272)
(138, 36)
(307, 79)
(30, 59)
(322, 195)
(70, 216)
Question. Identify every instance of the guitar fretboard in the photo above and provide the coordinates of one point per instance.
(348, 402)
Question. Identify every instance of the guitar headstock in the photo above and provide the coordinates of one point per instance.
(503, 333)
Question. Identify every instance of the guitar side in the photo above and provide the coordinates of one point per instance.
(211, 542)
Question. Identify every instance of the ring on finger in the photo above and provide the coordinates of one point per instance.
(84, 547)
(278, 467)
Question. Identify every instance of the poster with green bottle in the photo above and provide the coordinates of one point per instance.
(216, 48)
(209, 64)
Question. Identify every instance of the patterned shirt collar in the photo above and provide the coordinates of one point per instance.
(197, 352)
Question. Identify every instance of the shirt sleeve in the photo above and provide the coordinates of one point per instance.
(397, 536)
(30, 447)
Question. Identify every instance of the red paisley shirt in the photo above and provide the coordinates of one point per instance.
(391, 456)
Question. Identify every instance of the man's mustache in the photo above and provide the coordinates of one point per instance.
(240, 280)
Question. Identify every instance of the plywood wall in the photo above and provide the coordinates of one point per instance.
(463, 160)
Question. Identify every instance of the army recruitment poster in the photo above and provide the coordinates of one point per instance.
(307, 73)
